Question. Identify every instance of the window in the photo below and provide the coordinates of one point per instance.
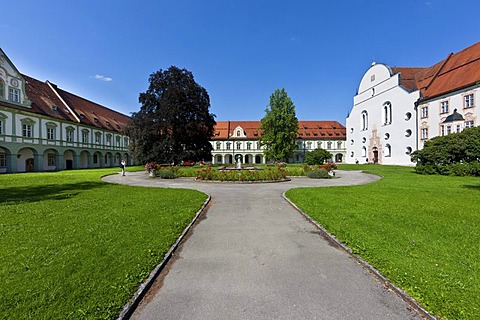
(408, 133)
(387, 136)
(364, 120)
(339, 145)
(459, 128)
(468, 101)
(468, 124)
(387, 113)
(219, 145)
(329, 145)
(2, 89)
(14, 95)
(95, 158)
(70, 134)
(50, 133)
(238, 133)
(117, 141)
(85, 136)
(229, 145)
(2, 123)
(125, 142)
(239, 145)
(3, 160)
(98, 137)
(408, 116)
(27, 130)
(408, 150)
(51, 159)
(424, 133)
(388, 150)
(309, 145)
(364, 151)
(444, 107)
(424, 113)
(319, 144)
(109, 139)
(249, 145)
(442, 130)
(449, 129)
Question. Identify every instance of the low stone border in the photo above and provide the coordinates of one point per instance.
(331, 238)
(130, 307)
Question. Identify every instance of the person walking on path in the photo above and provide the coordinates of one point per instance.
(123, 164)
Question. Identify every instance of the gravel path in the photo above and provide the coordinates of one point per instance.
(253, 256)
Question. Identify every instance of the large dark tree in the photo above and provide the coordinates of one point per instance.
(279, 127)
(174, 122)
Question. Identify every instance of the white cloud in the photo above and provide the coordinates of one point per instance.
(103, 78)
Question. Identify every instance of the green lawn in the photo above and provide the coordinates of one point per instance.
(75, 247)
(421, 232)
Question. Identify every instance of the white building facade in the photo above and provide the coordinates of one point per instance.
(44, 128)
(397, 109)
(234, 139)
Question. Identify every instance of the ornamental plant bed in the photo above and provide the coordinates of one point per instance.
(210, 173)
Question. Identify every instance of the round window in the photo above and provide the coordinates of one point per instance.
(408, 150)
(364, 139)
(408, 133)
(387, 136)
(408, 115)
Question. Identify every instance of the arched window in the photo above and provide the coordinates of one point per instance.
(238, 133)
(364, 151)
(218, 145)
(364, 120)
(387, 113)
(2, 89)
(388, 150)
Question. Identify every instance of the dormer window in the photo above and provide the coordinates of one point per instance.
(82, 116)
(95, 119)
(108, 123)
(14, 95)
(238, 133)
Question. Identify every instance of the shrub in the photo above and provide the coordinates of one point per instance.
(317, 156)
(166, 174)
(318, 174)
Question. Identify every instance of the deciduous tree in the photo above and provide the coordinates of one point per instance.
(174, 122)
(317, 156)
(279, 127)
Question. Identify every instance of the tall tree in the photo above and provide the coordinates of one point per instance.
(174, 122)
(279, 127)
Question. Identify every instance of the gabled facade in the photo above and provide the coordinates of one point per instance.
(397, 109)
(45, 128)
(232, 138)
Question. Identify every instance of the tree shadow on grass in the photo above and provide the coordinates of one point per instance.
(472, 186)
(46, 192)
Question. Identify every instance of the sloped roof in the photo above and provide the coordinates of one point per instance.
(93, 114)
(44, 101)
(457, 71)
(306, 130)
(455, 116)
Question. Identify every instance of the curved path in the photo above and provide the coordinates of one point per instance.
(255, 257)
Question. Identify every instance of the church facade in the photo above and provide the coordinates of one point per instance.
(45, 128)
(397, 109)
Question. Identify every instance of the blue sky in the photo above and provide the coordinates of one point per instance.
(239, 51)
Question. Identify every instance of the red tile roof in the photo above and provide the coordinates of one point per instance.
(46, 102)
(457, 71)
(93, 114)
(333, 130)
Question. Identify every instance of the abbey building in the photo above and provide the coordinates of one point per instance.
(45, 128)
(397, 109)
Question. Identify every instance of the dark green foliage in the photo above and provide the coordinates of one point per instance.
(174, 123)
(317, 156)
(318, 174)
(166, 174)
(454, 154)
(279, 127)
